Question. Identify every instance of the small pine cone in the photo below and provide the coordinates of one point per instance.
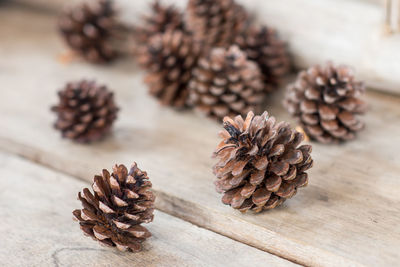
(260, 164)
(169, 59)
(120, 203)
(215, 22)
(326, 101)
(263, 46)
(87, 29)
(225, 83)
(162, 19)
(86, 111)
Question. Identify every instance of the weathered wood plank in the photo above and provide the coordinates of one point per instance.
(349, 32)
(347, 215)
(37, 229)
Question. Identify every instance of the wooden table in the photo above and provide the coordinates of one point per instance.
(349, 215)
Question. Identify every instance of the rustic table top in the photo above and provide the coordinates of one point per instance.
(349, 215)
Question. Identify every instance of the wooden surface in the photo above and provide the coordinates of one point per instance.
(37, 229)
(347, 216)
(348, 32)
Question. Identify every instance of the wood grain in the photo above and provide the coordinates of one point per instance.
(348, 215)
(37, 229)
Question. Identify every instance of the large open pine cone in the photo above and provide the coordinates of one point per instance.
(326, 100)
(263, 46)
(225, 83)
(87, 29)
(215, 22)
(120, 203)
(86, 111)
(260, 163)
(162, 19)
(169, 59)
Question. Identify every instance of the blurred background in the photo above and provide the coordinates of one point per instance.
(360, 33)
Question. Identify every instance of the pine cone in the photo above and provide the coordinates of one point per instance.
(120, 203)
(326, 101)
(86, 111)
(215, 22)
(162, 19)
(263, 46)
(87, 29)
(225, 83)
(259, 162)
(169, 60)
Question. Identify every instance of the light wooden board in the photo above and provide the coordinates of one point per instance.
(348, 215)
(348, 32)
(37, 229)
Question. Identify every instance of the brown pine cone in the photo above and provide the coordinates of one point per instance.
(263, 46)
(215, 22)
(169, 59)
(225, 83)
(260, 164)
(87, 29)
(86, 111)
(120, 203)
(326, 101)
(162, 19)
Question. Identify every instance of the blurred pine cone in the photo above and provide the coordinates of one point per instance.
(326, 100)
(169, 59)
(260, 163)
(162, 18)
(120, 203)
(225, 83)
(87, 29)
(86, 111)
(263, 46)
(215, 22)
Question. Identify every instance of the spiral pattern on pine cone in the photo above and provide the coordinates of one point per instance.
(86, 111)
(327, 101)
(121, 201)
(169, 59)
(260, 163)
(87, 29)
(225, 83)
(262, 45)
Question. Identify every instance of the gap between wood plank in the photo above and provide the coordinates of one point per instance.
(65, 244)
(189, 211)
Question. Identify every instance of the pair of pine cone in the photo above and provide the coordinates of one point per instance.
(260, 164)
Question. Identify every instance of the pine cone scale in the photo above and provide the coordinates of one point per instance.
(85, 112)
(326, 100)
(121, 202)
(260, 164)
(169, 59)
(87, 29)
(225, 83)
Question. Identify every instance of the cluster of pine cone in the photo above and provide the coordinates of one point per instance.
(213, 57)
(216, 59)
